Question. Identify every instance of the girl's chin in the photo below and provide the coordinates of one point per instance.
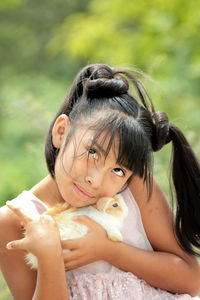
(76, 202)
(80, 203)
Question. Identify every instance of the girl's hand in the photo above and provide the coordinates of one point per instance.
(87, 249)
(41, 233)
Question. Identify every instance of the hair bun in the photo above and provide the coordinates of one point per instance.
(101, 80)
(106, 87)
(161, 134)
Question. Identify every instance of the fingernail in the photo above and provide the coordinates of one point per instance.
(9, 203)
(9, 245)
(22, 225)
(75, 218)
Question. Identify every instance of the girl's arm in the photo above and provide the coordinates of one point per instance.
(168, 267)
(49, 282)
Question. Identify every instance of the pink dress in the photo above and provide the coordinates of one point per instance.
(101, 280)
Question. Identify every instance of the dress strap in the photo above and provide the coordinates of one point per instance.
(28, 201)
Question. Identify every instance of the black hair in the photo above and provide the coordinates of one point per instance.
(100, 98)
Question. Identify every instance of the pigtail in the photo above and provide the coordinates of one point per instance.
(142, 130)
(186, 179)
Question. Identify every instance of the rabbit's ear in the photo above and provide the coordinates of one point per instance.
(103, 203)
(118, 198)
(122, 204)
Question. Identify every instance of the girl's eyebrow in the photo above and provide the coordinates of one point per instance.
(100, 148)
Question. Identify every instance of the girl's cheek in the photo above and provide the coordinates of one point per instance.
(119, 180)
(112, 186)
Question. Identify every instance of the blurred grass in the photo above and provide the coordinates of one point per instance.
(4, 291)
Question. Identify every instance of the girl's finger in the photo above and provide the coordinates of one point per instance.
(22, 224)
(24, 216)
(70, 256)
(72, 265)
(70, 244)
(18, 244)
(91, 224)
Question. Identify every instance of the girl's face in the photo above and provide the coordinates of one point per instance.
(82, 173)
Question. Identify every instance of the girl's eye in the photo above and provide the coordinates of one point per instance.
(118, 172)
(93, 153)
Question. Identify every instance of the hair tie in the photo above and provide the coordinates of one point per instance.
(161, 134)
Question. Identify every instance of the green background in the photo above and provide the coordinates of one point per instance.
(43, 44)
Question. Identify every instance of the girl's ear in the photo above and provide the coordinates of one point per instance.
(60, 127)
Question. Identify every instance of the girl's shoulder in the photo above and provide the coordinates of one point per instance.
(10, 224)
(12, 264)
(157, 218)
(10, 227)
(154, 211)
(157, 202)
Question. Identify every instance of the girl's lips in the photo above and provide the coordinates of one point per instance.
(82, 193)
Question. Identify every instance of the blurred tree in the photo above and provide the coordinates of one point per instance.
(159, 37)
(33, 84)
(7, 4)
(26, 26)
(45, 43)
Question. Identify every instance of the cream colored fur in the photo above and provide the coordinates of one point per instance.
(108, 212)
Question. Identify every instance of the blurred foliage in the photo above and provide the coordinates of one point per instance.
(159, 37)
(43, 44)
(7, 4)
(33, 86)
(4, 291)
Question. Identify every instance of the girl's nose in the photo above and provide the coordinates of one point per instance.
(94, 179)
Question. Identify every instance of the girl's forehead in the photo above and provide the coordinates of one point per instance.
(103, 141)
(96, 137)
(106, 142)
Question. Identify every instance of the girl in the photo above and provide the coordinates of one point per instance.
(100, 144)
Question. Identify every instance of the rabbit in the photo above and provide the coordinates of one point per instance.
(109, 212)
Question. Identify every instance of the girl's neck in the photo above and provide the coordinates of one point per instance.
(47, 191)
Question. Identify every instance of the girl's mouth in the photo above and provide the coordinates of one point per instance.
(82, 193)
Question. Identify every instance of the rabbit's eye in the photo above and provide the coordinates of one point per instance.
(115, 205)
